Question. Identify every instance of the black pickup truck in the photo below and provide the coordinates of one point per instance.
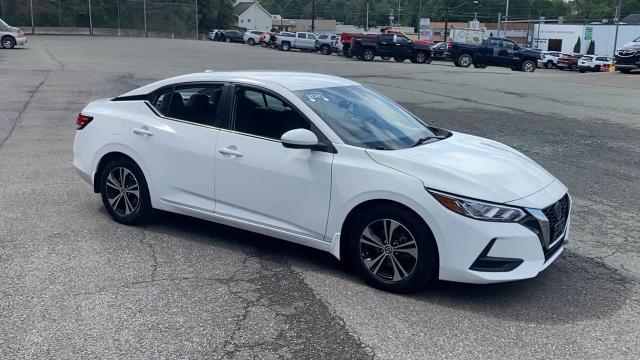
(395, 46)
(495, 52)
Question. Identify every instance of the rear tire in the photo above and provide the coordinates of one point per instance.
(251, 42)
(399, 59)
(124, 192)
(596, 68)
(549, 64)
(8, 42)
(285, 46)
(582, 71)
(480, 66)
(465, 60)
(392, 249)
(325, 50)
(385, 58)
(625, 71)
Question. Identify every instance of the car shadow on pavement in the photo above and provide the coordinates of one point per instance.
(574, 288)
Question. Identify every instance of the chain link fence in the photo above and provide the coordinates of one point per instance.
(161, 18)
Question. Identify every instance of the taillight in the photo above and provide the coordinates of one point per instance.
(82, 121)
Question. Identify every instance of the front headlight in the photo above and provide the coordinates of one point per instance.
(478, 210)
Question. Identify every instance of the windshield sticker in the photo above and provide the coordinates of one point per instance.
(313, 97)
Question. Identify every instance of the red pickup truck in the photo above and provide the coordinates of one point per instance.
(348, 39)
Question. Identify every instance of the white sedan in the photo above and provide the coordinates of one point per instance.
(328, 163)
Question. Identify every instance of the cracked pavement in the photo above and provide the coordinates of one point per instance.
(75, 284)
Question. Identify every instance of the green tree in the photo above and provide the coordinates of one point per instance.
(592, 48)
(577, 47)
(216, 14)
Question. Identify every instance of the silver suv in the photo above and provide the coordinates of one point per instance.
(11, 36)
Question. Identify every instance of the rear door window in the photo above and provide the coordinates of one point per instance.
(302, 36)
(196, 104)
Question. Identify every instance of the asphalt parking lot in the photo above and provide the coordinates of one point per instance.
(74, 284)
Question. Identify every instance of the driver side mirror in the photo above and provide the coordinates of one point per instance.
(299, 139)
(516, 47)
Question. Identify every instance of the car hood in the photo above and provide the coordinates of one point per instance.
(469, 166)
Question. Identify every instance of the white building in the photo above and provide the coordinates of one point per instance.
(252, 16)
(561, 37)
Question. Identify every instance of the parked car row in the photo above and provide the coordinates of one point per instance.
(389, 44)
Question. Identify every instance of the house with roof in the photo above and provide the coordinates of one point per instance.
(252, 16)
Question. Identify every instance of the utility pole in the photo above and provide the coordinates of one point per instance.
(59, 15)
(399, 12)
(118, 17)
(446, 21)
(313, 15)
(366, 23)
(619, 12)
(419, 18)
(506, 19)
(197, 34)
(33, 27)
(144, 10)
(90, 20)
(499, 23)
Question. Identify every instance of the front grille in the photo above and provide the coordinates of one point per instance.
(557, 214)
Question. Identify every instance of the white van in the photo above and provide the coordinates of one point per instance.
(11, 36)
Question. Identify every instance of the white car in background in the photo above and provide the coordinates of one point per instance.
(328, 163)
(11, 36)
(252, 37)
(593, 63)
(549, 59)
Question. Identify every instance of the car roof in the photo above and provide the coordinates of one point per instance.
(292, 81)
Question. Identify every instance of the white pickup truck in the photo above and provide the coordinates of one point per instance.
(299, 40)
(11, 36)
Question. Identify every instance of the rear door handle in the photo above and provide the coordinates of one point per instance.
(142, 132)
(230, 152)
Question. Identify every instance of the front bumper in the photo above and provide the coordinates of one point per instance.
(489, 252)
(21, 41)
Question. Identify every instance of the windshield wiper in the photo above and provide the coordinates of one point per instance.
(422, 140)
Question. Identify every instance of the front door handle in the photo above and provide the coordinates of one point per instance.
(230, 152)
(142, 132)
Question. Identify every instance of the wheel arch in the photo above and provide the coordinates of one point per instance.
(351, 216)
(105, 159)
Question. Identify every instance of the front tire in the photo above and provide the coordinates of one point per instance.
(465, 60)
(625, 71)
(8, 42)
(251, 42)
(528, 66)
(385, 58)
(368, 55)
(549, 64)
(392, 249)
(285, 46)
(124, 192)
(399, 59)
(325, 50)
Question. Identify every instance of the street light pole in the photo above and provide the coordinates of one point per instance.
(144, 10)
(313, 15)
(33, 27)
(197, 20)
(446, 21)
(615, 42)
(90, 20)
(506, 19)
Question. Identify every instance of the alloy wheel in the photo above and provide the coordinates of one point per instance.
(528, 66)
(122, 191)
(388, 250)
(420, 58)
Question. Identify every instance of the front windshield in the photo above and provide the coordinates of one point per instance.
(637, 40)
(364, 118)
(2, 23)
